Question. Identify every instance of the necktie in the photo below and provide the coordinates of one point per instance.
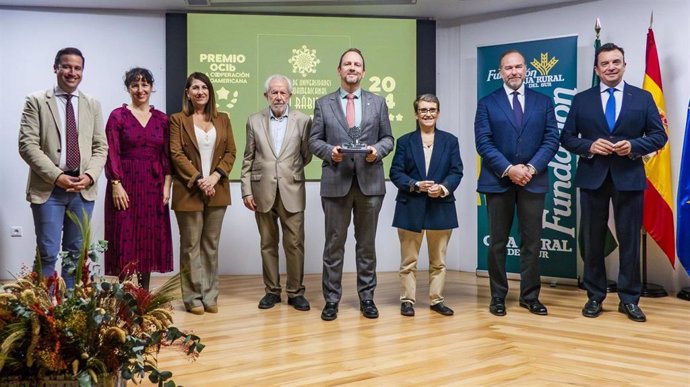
(72, 136)
(517, 109)
(611, 109)
(350, 110)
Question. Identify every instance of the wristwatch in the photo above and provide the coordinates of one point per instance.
(115, 182)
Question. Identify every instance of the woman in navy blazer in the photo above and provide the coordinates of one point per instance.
(426, 168)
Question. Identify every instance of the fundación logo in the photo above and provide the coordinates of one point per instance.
(304, 61)
(538, 72)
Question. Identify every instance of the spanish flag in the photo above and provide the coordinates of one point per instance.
(657, 216)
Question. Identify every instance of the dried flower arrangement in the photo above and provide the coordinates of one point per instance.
(107, 330)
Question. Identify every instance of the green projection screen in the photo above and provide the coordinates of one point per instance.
(238, 53)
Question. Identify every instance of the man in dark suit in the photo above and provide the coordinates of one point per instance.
(610, 127)
(351, 183)
(273, 187)
(61, 138)
(426, 168)
(516, 136)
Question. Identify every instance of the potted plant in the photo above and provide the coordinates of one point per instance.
(99, 333)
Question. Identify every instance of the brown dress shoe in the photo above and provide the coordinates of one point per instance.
(211, 308)
(198, 310)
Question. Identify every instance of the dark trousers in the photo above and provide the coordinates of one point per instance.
(501, 210)
(627, 212)
(338, 212)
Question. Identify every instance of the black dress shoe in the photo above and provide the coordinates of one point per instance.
(442, 309)
(407, 309)
(633, 311)
(330, 311)
(369, 309)
(299, 303)
(592, 308)
(497, 307)
(269, 300)
(534, 306)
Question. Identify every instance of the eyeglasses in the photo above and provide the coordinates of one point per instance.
(431, 111)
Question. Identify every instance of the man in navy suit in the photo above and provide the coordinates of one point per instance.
(610, 127)
(516, 136)
(426, 168)
(351, 183)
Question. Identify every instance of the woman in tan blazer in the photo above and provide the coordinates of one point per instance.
(202, 150)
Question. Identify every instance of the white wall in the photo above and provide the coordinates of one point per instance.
(113, 42)
(624, 23)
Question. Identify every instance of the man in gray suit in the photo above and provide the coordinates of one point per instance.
(273, 187)
(351, 183)
(61, 138)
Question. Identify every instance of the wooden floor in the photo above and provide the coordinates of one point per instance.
(247, 346)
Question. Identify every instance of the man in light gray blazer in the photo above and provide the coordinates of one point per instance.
(61, 138)
(273, 187)
(351, 183)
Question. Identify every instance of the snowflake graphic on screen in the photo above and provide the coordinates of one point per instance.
(304, 61)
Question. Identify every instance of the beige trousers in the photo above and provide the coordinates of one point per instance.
(292, 226)
(199, 237)
(410, 243)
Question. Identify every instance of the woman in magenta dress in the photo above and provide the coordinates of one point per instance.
(137, 219)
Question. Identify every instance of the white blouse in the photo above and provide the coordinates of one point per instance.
(428, 150)
(206, 141)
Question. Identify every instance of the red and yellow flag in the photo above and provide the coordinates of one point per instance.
(657, 216)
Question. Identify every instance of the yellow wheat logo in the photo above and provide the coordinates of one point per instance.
(545, 65)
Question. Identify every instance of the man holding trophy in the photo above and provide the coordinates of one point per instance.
(351, 133)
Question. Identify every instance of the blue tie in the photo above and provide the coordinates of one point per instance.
(611, 108)
(517, 109)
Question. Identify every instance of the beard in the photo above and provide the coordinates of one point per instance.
(352, 79)
(514, 83)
